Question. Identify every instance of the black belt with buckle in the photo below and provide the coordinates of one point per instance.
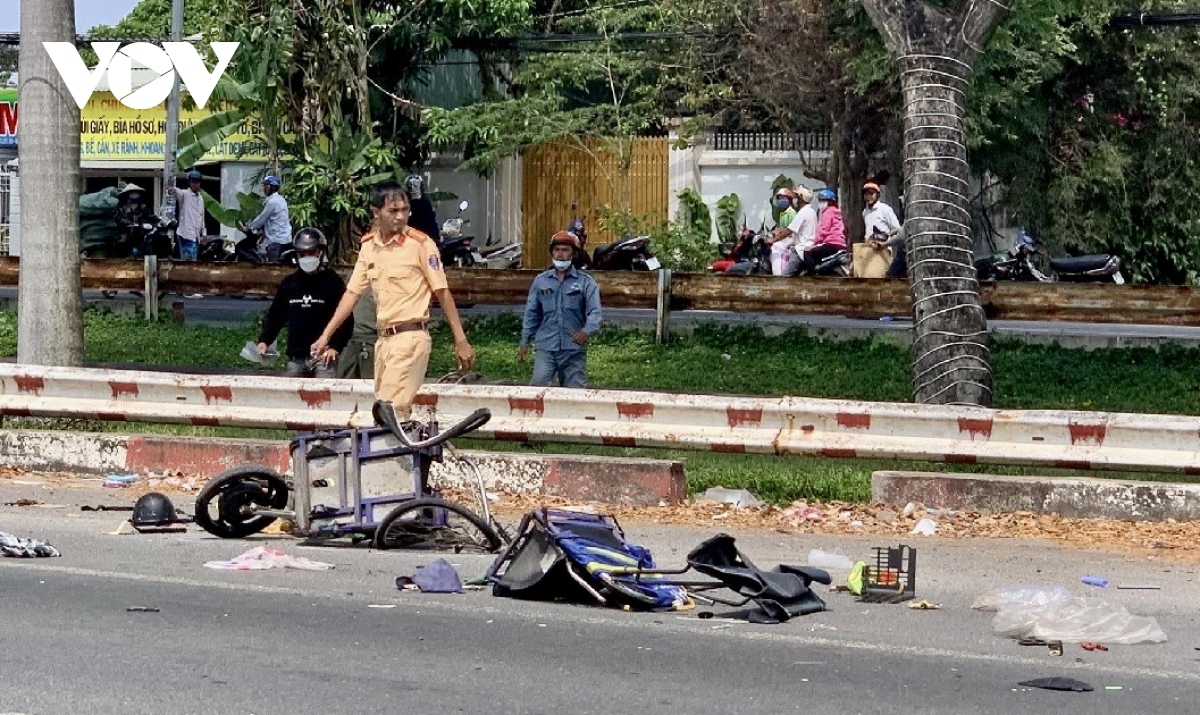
(397, 328)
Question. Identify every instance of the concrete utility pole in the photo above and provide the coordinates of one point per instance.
(171, 146)
(49, 307)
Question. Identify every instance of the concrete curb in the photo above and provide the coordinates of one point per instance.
(609, 480)
(1076, 497)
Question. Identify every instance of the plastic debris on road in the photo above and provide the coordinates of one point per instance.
(438, 576)
(261, 558)
(119, 481)
(1067, 684)
(924, 527)
(737, 497)
(1053, 613)
(829, 560)
(20, 548)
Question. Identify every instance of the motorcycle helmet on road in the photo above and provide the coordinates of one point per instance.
(153, 511)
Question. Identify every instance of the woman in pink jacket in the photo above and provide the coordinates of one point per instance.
(831, 232)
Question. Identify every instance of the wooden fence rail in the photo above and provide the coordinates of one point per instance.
(853, 297)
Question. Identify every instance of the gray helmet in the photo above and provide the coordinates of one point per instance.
(194, 175)
(153, 510)
(309, 239)
(415, 186)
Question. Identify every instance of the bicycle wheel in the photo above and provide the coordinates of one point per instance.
(223, 505)
(432, 524)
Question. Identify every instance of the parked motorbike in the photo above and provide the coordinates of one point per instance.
(747, 256)
(502, 257)
(631, 253)
(838, 265)
(153, 237)
(1017, 264)
(455, 248)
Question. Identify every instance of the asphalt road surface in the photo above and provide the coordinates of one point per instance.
(300, 643)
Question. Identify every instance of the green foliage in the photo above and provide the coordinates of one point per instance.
(597, 95)
(332, 191)
(729, 210)
(1095, 132)
(694, 213)
(151, 19)
(680, 248)
(249, 206)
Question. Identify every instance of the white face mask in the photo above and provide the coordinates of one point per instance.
(308, 264)
(561, 265)
(823, 205)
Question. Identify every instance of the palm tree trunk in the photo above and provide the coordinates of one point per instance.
(936, 49)
(49, 308)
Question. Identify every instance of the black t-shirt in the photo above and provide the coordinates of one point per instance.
(304, 303)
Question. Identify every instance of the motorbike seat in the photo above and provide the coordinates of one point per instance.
(1080, 264)
(835, 259)
(604, 250)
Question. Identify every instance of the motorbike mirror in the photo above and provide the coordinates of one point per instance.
(462, 205)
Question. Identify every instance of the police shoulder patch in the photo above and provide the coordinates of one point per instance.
(435, 263)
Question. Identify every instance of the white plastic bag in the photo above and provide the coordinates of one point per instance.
(739, 498)
(1021, 595)
(261, 558)
(1052, 613)
(835, 560)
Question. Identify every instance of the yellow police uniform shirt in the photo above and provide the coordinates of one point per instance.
(403, 273)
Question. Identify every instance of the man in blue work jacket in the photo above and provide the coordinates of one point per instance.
(561, 314)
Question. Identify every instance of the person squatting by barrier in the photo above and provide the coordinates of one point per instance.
(403, 269)
(304, 302)
(562, 312)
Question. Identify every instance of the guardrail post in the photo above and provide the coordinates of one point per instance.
(662, 311)
(151, 287)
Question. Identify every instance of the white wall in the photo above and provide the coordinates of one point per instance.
(749, 174)
(495, 202)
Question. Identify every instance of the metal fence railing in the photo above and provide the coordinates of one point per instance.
(768, 141)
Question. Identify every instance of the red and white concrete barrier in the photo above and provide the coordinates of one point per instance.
(786, 425)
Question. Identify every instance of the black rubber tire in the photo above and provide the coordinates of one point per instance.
(407, 508)
(251, 484)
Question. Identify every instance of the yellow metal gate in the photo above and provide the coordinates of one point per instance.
(557, 175)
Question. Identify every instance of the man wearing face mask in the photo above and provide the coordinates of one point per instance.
(305, 302)
(562, 313)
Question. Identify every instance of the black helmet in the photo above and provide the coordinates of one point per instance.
(415, 186)
(309, 239)
(153, 510)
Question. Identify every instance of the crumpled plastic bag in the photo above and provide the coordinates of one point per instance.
(25, 548)
(261, 558)
(250, 353)
(438, 576)
(1052, 613)
(1022, 595)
